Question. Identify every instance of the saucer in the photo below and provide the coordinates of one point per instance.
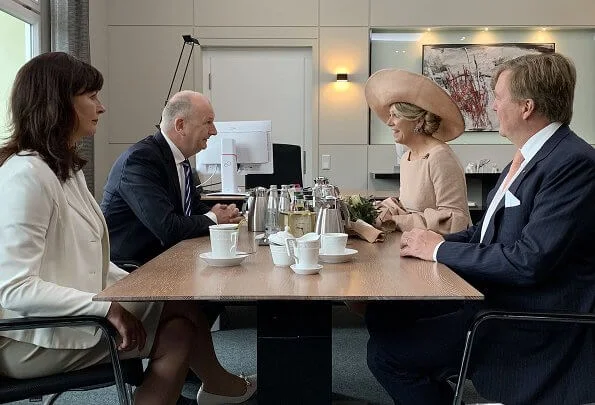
(223, 262)
(347, 255)
(310, 270)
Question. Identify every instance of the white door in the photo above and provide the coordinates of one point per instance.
(264, 84)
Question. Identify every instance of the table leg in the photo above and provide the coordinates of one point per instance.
(294, 352)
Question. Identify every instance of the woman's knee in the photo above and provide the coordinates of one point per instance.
(190, 311)
(176, 334)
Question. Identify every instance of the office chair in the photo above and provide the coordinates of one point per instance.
(483, 316)
(97, 376)
(287, 168)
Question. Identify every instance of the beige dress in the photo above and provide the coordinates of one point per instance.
(433, 195)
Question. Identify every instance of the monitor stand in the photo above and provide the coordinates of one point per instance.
(229, 167)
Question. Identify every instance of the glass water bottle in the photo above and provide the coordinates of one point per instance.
(272, 213)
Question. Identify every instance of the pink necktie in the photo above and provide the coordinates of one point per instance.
(514, 167)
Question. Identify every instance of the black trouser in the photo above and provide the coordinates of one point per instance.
(413, 345)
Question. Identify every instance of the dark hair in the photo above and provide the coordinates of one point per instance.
(42, 115)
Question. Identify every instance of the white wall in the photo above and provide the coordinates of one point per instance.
(135, 44)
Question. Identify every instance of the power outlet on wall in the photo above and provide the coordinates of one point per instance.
(326, 162)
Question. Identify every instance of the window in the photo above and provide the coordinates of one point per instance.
(19, 42)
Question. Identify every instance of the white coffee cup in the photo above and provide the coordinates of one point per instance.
(333, 243)
(280, 256)
(224, 239)
(305, 257)
(309, 240)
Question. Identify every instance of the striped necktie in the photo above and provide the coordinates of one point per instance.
(187, 188)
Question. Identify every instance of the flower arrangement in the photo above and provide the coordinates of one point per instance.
(361, 208)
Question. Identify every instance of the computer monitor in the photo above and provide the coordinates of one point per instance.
(239, 148)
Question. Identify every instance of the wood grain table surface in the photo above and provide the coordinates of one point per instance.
(376, 273)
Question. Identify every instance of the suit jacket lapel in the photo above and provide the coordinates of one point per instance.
(490, 230)
(170, 167)
(74, 201)
(105, 247)
(544, 152)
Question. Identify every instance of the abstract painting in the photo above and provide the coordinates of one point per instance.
(465, 72)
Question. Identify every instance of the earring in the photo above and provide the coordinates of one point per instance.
(418, 128)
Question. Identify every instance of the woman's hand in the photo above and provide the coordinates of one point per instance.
(131, 330)
(397, 206)
(387, 210)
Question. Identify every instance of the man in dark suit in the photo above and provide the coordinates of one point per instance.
(150, 202)
(532, 251)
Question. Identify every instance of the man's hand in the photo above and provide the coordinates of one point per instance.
(227, 214)
(420, 243)
(131, 330)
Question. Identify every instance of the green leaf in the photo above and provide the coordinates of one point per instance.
(361, 208)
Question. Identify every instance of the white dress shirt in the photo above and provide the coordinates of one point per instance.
(528, 150)
(179, 159)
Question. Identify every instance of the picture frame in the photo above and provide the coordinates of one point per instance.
(465, 72)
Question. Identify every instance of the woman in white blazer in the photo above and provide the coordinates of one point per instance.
(54, 250)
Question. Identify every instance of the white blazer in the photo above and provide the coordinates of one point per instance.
(54, 252)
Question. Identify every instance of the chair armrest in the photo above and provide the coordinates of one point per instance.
(57, 321)
(82, 320)
(489, 315)
(547, 317)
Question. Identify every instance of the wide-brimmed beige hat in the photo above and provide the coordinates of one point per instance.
(388, 86)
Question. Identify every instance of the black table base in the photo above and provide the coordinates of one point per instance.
(294, 352)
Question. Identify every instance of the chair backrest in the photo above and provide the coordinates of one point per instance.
(287, 168)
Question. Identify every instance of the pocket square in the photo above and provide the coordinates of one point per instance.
(510, 200)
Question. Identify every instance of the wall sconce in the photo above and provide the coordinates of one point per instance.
(342, 77)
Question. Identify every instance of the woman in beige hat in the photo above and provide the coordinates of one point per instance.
(423, 117)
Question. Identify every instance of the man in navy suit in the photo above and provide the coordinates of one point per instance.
(148, 202)
(534, 250)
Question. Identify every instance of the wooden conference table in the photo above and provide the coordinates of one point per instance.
(294, 311)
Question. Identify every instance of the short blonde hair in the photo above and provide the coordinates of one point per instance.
(411, 112)
(548, 79)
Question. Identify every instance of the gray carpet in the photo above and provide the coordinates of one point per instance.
(236, 349)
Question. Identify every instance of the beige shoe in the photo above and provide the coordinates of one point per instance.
(206, 398)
